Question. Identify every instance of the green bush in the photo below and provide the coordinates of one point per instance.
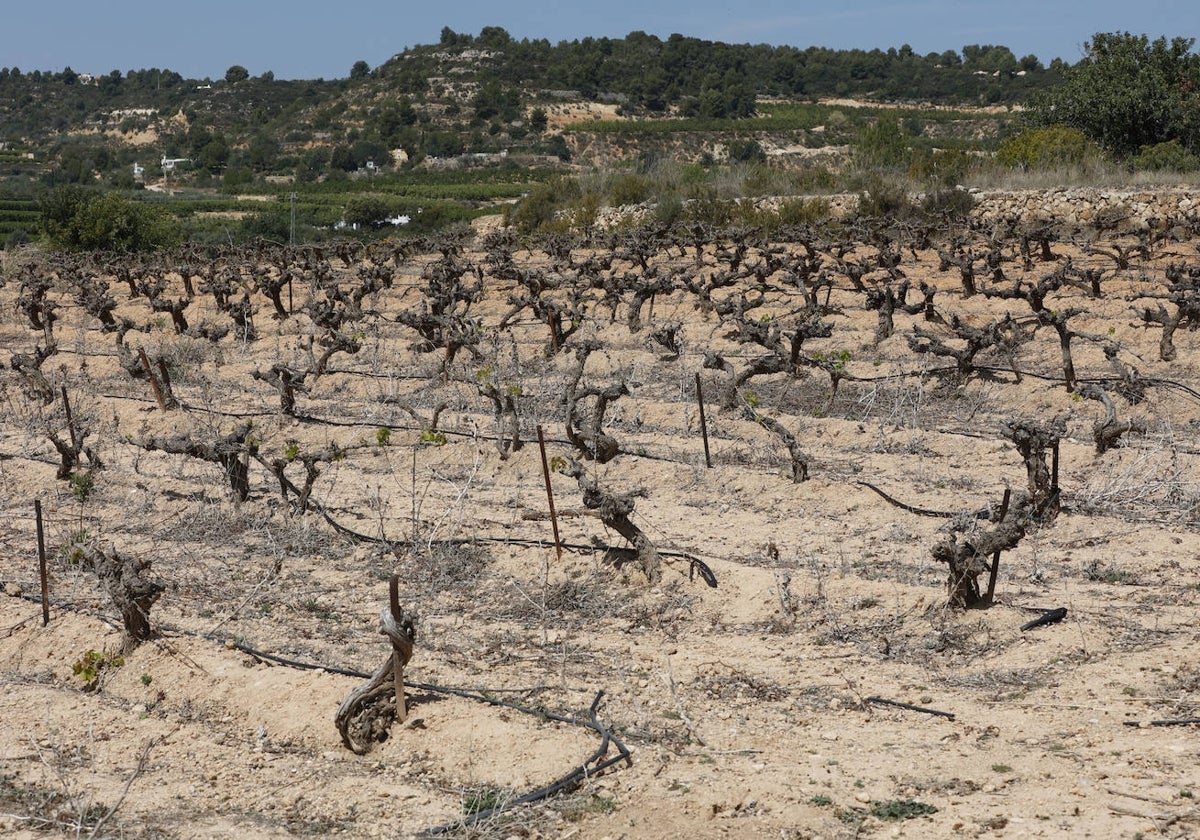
(1166, 157)
(706, 208)
(669, 209)
(816, 178)
(746, 151)
(629, 189)
(538, 209)
(881, 145)
(1046, 148)
(367, 211)
(804, 211)
(270, 225)
(79, 219)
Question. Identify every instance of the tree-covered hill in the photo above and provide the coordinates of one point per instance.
(469, 93)
(709, 78)
(441, 133)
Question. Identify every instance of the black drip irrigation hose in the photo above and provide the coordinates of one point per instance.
(593, 765)
(696, 565)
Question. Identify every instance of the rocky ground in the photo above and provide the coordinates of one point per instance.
(749, 710)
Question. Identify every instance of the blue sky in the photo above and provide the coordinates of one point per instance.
(308, 39)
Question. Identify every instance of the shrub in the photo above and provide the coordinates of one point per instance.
(746, 151)
(629, 189)
(816, 178)
(883, 198)
(669, 209)
(707, 208)
(83, 220)
(272, 225)
(538, 209)
(1170, 156)
(881, 145)
(1046, 148)
(366, 211)
(803, 211)
(948, 204)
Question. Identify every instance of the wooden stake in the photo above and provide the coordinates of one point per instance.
(41, 537)
(397, 659)
(703, 423)
(549, 491)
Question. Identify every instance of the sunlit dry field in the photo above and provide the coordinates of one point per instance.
(331, 418)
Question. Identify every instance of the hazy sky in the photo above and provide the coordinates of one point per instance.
(307, 39)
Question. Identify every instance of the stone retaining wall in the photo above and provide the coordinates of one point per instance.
(1121, 209)
(1116, 209)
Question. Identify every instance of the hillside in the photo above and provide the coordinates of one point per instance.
(475, 95)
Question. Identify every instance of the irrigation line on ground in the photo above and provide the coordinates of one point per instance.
(593, 765)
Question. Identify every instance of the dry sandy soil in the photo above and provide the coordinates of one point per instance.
(745, 707)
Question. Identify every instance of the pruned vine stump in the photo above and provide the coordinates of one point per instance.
(366, 715)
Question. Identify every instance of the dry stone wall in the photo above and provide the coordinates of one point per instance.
(1114, 209)
(1086, 207)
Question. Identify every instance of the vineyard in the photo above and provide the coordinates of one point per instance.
(871, 527)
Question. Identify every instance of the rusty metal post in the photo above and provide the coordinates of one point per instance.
(549, 491)
(1054, 468)
(703, 422)
(41, 538)
(398, 661)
